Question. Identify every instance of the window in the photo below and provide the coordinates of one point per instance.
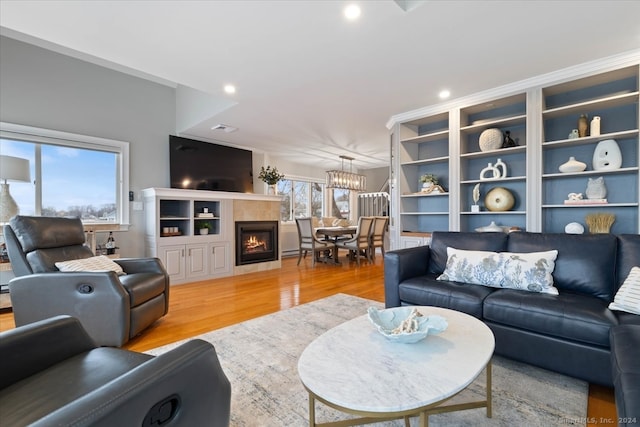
(302, 198)
(72, 175)
(341, 207)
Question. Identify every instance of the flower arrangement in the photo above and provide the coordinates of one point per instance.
(429, 177)
(203, 224)
(270, 175)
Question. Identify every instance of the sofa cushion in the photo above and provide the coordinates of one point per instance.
(441, 240)
(426, 290)
(585, 264)
(628, 296)
(524, 271)
(569, 316)
(44, 260)
(628, 256)
(625, 318)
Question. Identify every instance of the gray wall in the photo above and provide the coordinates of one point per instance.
(45, 89)
(49, 90)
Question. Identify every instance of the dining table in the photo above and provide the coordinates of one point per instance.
(335, 233)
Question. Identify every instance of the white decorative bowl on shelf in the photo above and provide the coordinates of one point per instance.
(490, 139)
(405, 324)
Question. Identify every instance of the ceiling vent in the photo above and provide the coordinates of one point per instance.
(226, 128)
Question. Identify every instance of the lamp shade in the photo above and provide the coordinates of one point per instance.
(14, 169)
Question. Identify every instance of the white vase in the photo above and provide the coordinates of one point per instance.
(595, 126)
(204, 231)
(490, 139)
(502, 167)
(273, 189)
(572, 165)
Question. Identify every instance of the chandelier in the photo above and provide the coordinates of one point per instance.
(346, 180)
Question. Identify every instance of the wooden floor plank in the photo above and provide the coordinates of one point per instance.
(199, 307)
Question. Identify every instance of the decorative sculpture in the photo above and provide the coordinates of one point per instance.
(596, 188)
(607, 156)
(476, 196)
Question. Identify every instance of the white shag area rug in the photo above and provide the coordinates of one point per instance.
(260, 358)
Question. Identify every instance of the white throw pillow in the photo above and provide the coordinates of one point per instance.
(628, 296)
(96, 263)
(525, 271)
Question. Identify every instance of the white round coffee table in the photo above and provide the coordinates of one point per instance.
(355, 369)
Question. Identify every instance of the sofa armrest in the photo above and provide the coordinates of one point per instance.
(141, 265)
(90, 297)
(188, 378)
(400, 265)
(32, 348)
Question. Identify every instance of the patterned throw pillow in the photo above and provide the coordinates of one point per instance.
(524, 271)
(96, 263)
(628, 296)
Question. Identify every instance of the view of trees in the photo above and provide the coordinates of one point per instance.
(87, 213)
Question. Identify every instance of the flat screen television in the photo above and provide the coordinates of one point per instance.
(199, 165)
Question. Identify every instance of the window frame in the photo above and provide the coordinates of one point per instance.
(309, 180)
(73, 140)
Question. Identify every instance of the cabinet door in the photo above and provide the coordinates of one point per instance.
(219, 260)
(197, 260)
(173, 258)
(411, 242)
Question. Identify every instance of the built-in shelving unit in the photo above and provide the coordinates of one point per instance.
(424, 149)
(540, 117)
(508, 114)
(173, 222)
(613, 96)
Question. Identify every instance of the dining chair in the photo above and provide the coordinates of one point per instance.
(360, 242)
(308, 241)
(378, 231)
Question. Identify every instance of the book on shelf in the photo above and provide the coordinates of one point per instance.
(205, 215)
(586, 202)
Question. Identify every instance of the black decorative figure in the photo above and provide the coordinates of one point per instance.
(508, 141)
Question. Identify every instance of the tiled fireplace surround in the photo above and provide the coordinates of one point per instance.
(257, 210)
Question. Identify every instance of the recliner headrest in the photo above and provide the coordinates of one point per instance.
(39, 232)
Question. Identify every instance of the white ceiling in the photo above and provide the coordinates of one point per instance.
(310, 84)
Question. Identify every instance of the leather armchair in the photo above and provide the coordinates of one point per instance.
(111, 308)
(53, 374)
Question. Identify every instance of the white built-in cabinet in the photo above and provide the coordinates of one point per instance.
(445, 141)
(172, 233)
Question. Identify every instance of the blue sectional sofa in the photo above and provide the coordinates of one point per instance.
(566, 333)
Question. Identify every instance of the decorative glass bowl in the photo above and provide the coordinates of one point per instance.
(405, 324)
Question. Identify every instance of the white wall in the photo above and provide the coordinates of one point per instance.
(44, 89)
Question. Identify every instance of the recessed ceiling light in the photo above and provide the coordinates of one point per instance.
(352, 12)
(444, 94)
(230, 89)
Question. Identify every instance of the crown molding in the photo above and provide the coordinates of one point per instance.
(570, 73)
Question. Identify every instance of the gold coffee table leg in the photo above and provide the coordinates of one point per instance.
(488, 386)
(312, 411)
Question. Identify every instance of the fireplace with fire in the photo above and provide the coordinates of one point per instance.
(256, 241)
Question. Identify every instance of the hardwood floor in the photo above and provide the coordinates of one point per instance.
(199, 307)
